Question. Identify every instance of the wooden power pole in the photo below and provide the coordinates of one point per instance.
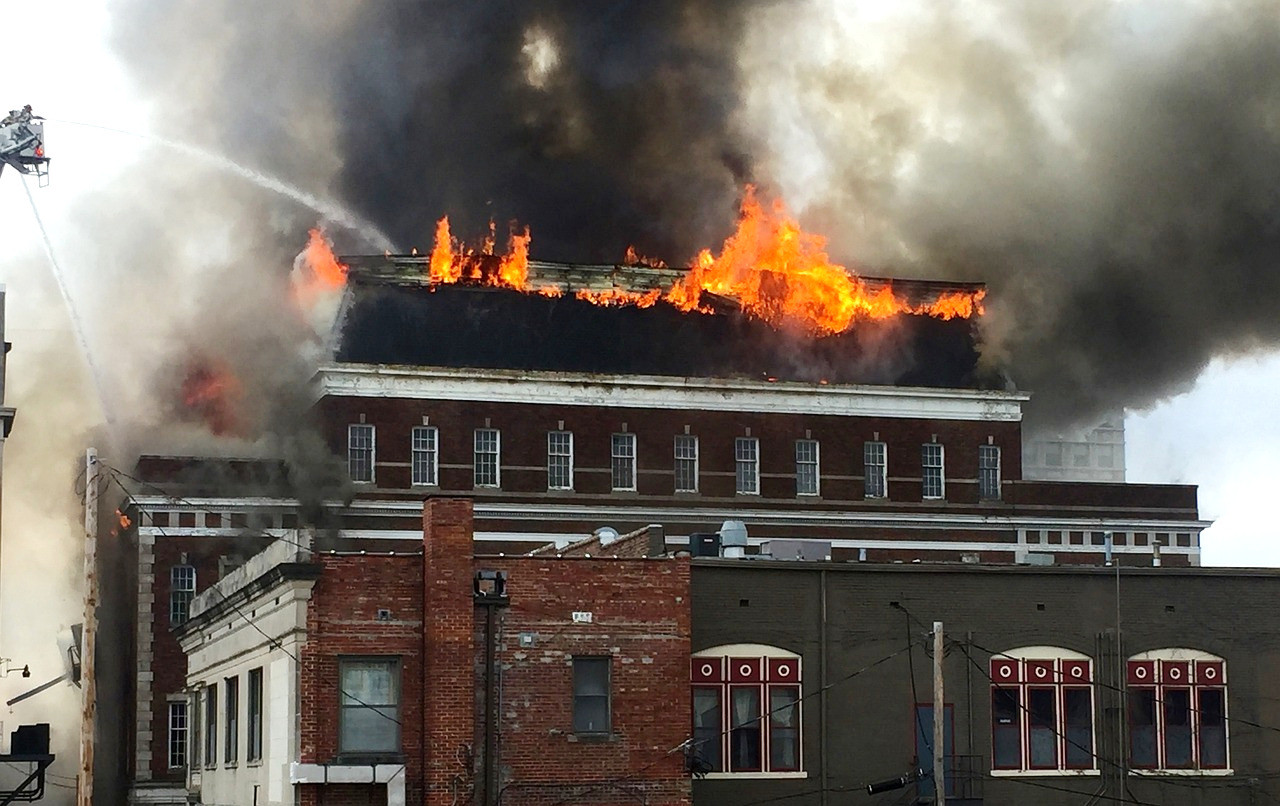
(939, 718)
(89, 636)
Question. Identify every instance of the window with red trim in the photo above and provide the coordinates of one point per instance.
(1177, 711)
(746, 713)
(1041, 713)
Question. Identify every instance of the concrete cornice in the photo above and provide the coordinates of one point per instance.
(661, 392)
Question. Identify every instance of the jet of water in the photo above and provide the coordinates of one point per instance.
(77, 324)
(328, 208)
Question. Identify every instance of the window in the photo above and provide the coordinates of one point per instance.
(591, 695)
(177, 734)
(211, 726)
(559, 460)
(807, 474)
(989, 472)
(1042, 710)
(488, 449)
(932, 476)
(232, 685)
(424, 458)
(875, 474)
(1106, 455)
(255, 715)
(623, 461)
(360, 452)
(746, 709)
(1053, 454)
(1080, 455)
(1177, 711)
(182, 588)
(746, 453)
(686, 463)
(369, 718)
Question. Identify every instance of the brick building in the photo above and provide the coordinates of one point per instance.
(1042, 703)
(438, 677)
(558, 417)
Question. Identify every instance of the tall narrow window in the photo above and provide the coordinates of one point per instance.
(254, 749)
(559, 460)
(177, 734)
(807, 474)
(369, 715)
(746, 454)
(686, 453)
(211, 726)
(746, 710)
(875, 467)
(591, 695)
(182, 588)
(623, 461)
(488, 451)
(360, 452)
(232, 686)
(1177, 710)
(933, 477)
(989, 472)
(1042, 710)
(425, 457)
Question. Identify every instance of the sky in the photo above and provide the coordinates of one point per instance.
(1218, 434)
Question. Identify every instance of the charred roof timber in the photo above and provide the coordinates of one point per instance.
(395, 315)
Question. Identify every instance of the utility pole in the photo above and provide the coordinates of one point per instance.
(88, 684)
(939, 716)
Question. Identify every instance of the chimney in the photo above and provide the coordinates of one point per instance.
(448, 682)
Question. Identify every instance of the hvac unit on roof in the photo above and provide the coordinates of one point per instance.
(733, 538)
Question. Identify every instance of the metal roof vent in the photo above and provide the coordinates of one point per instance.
(606, 535)
(733, 538)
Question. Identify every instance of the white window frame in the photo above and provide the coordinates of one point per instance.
(746, 457)
(1061, 669)
(496, 453)
(624, 461)
(1191, 657)
(182, 589)
(562, 451)
(353, 448)
(871, 469)
(687, 440)
(927, 465)
(815, 463)
(715, 662)
(424, 444)
(179, 738)
(989, 482)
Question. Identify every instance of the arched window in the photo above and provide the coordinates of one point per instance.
(746, 709)
(1177, 710)
(1042, 710)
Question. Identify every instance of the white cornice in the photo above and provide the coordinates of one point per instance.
(661, 392)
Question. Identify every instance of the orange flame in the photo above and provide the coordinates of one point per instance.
(320, 270)
(616, 297)
(452, 261)
(634, 258)
(212, 392)
(779, 272)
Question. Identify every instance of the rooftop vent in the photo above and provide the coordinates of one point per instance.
(606, 535)
(733, 537)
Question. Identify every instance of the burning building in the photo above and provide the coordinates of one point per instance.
(764, 386)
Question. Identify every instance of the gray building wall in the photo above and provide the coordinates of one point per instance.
(867, 702)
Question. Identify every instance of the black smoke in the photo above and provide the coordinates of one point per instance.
(1109, 169)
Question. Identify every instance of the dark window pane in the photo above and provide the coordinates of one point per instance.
(1042, 723)
(591, 695)
(1142, 727)
(745, 728)
(707, 726)
(784, 728)
(1006, 725)
(1078, 716)
(1177, 727)
(1213, 728)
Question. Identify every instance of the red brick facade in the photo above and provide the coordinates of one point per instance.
(639, 620)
